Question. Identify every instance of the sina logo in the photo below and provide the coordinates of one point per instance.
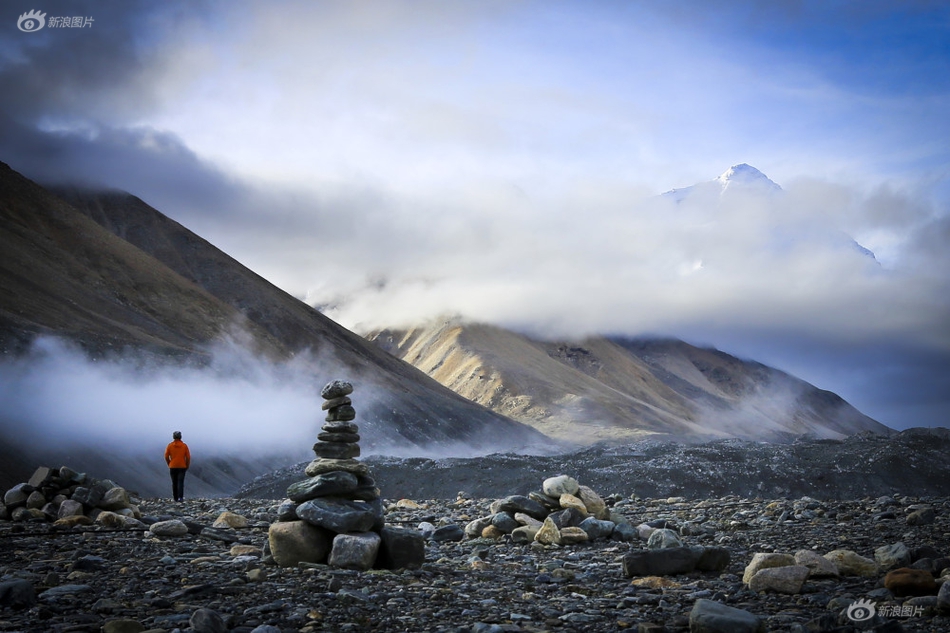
(861, 610)
(32, 21)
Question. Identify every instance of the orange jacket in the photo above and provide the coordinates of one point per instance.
(177, 455)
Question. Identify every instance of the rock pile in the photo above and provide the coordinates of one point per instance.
(69, 498)
(563, 512)
(566, 513)
(335, 516)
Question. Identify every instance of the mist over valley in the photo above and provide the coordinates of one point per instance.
(133, 326)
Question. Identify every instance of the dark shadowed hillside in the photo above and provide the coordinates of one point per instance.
(117, 277)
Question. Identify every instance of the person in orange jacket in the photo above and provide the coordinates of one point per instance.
(178, 458)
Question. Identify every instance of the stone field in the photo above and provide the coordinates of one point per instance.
(787, 564)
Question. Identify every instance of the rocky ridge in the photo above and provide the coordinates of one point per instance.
(912, 463)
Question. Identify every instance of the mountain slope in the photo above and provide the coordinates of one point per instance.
(121, 277)
(61, 273)
(610, 389)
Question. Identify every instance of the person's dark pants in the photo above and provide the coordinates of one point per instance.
(178, 482)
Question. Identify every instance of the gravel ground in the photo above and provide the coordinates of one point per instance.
(86, 578)
(856, 494)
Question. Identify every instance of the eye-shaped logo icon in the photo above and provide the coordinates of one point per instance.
(861, 610)
(32, 21)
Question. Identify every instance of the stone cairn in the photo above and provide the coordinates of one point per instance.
(335, 516)
(69, 498)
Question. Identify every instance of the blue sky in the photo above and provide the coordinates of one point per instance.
(393, 161)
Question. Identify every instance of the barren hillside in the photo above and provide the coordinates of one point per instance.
(608, 389)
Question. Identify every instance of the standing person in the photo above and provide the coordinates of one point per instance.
(178, 458)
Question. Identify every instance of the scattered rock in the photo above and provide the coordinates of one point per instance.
(95, 575)
(818, 565)
(891, 556)
(910, 582)
(766, 560)
(17, 594)
(122, 626)
(924, 516)
(560, 485)
(207, 621)
(172, 527)
(943, 599)
(852, 564)
(708, 616)
(788, 579)
(663, 539)
(661, 562)
(229, 520)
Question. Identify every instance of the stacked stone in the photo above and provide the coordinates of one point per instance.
(335, 516)
(69, 498)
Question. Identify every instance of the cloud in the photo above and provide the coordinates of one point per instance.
(58, 396)
(783, 262)
(501, 160)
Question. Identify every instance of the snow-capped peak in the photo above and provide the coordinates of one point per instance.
(741, 177)
(746, 175)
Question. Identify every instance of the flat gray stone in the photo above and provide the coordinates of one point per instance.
(708, 616)
(338, 515)
(336, 389)
(333, 483)
(661, 562)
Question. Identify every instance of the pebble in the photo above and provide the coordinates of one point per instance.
(135, 578)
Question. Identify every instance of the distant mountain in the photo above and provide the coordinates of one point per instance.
(746, 182)
(621, 389)
(738, 178)
(744, 175)
(112, 274)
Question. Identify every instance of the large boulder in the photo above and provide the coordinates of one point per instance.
(293, 542)
(401, 548)
(354, 551)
